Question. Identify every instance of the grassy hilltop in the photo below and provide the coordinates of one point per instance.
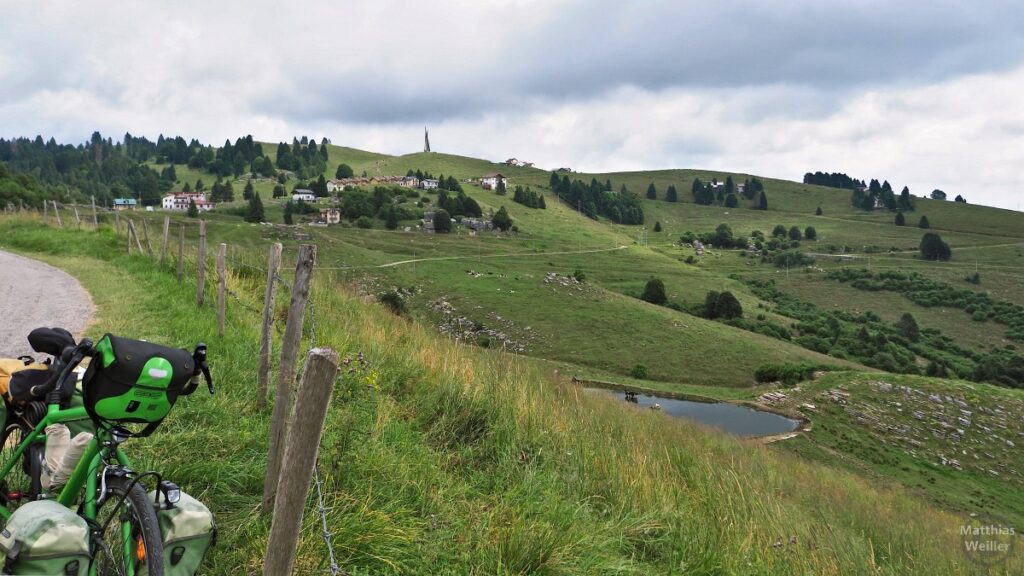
(556, 481)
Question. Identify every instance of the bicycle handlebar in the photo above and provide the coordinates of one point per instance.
(69, 359)
(72, 356)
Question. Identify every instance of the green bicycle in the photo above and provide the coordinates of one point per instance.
(127, 382)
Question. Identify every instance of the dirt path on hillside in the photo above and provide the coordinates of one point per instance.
(33, 294)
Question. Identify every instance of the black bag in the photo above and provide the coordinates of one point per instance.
(135, 381)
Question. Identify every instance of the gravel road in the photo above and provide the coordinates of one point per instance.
(33, 294)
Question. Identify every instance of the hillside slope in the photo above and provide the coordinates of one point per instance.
(443, 458)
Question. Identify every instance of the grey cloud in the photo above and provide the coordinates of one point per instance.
(587, 49)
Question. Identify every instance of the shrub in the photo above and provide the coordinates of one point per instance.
(810, 233)
(722, 305)
(787, 373)
(364, 222)
(639, 371)
(442, 221)
(654, 292)
(792, 260)
(794, 233)
(394, 301)
(933, 248)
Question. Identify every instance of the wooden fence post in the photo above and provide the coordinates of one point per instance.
(129, 241)
(78, 221)
(222, 286)
(286, 371)
(132, 231)
(201, 265)
(263, 375)
(163, 245)
(46, 213)
(299, 460)
(117, 221)
(145, 232)
(95, 218)
(57, 214)
(181, 253)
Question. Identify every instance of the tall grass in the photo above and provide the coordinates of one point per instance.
(444, 459)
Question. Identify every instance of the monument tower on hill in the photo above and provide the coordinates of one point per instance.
(426, 140)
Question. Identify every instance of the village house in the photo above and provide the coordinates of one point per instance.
(124, 204)
(410, 182)
(179, 201)
(491, 181)
(304, 195)
(518, 163)
(330, 215)
(429, 184)
(335, 185)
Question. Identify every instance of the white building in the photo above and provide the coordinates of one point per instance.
(180, 201)
(491, 181)
(428, 184)
(304, 195)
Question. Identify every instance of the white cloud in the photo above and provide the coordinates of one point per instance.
(920, 94)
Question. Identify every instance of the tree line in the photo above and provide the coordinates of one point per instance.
(527, 197)
(597, 199)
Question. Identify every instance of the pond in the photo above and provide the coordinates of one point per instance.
(731, 418)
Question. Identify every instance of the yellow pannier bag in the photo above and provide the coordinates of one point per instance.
(8, 366)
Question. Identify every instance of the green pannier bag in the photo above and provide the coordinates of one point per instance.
(43, 538)
(188, 531)
(135, 381)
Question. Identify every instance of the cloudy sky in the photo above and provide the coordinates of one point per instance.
(924, 94)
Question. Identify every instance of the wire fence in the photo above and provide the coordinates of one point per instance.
(244, 287)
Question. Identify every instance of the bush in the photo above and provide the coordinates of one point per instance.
(933, 248)
(787, 373)
(810, 233)
(654, 292)
(794, 233)
(364, 222)
(442, 221)
(394, 301)
(792, 260)
(722, 305)
(639, 372)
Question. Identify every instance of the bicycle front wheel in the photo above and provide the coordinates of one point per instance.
(22, 482)
(130, 538)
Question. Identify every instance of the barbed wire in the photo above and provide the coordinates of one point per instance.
(243, 303)
(324, 527)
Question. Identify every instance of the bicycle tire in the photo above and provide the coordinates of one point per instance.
(24, 479)
(127, 501)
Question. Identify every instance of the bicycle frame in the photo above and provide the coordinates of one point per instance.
(96, 452)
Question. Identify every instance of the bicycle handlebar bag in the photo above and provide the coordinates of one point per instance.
(134, 381)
